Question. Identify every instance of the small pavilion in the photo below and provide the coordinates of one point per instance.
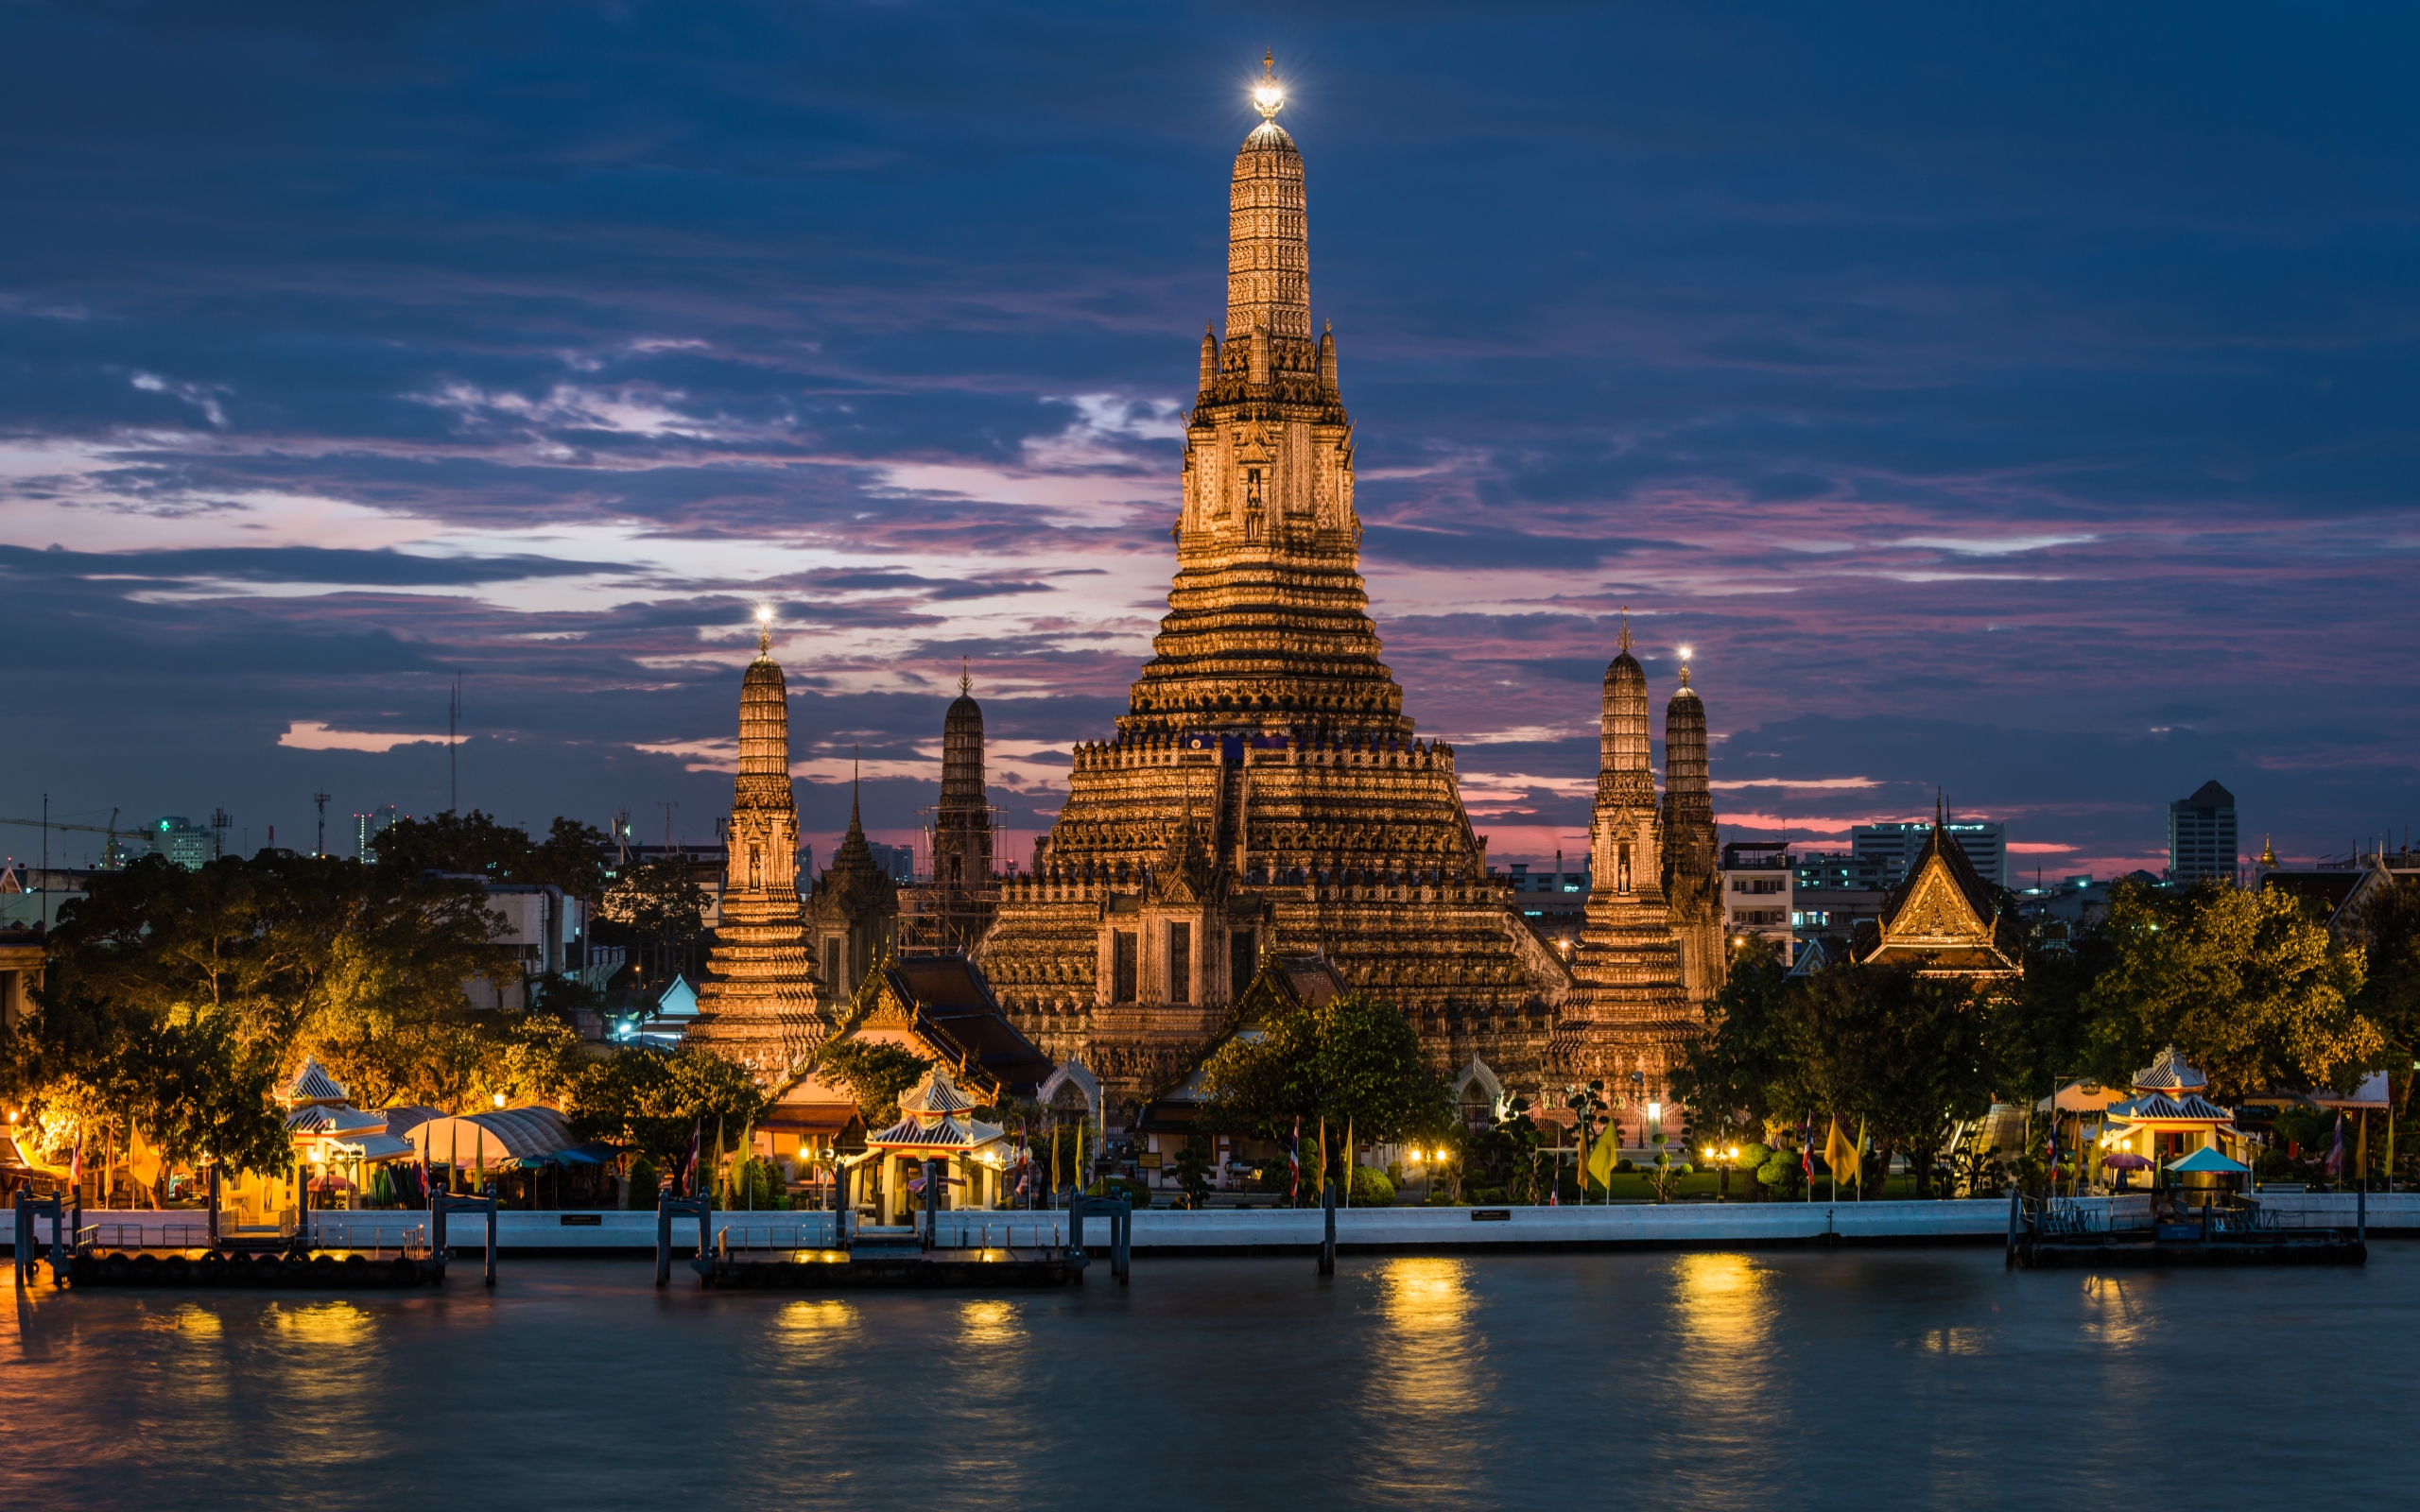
(934, 1124)
(2167, 1118)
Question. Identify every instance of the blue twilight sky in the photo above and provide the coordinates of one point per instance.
(2018, 401)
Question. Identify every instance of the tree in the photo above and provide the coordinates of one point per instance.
(1352, 1060)
(1900, 1053)
(1729, 1071)
(2247, 985)
(1193, 1170)
(656, 905)
(658, 1100)
(2389, 928)
(876, 1073)
(571, 857)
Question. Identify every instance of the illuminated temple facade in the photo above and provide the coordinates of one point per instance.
(1266, 790)
(757, 1004)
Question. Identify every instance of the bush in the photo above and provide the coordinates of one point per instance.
(1137, 1193)
(1486, 1196)
(1625, 1166)
(1371, 1188)
(1780, 1171)
(645, 1182)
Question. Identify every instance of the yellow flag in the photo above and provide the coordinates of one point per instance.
(1601, 1158)
(1840, 1155)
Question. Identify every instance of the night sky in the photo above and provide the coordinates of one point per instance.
(2017, 402)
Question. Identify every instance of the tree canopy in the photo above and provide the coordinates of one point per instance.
(876, 1073)
(572, 856)
(2248, 985)
(658, 1100)
(1353, 1059)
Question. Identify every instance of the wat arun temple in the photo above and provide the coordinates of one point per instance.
(1267, 794)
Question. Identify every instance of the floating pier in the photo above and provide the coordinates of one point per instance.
(962, 1250)
(2150, 1230)
(384, 1251)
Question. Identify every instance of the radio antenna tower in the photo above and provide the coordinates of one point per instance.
(321, 799)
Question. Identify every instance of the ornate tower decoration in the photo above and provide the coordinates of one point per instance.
(757, 1004)
(1629, 1015)
(1265, 790)
(1692, 878)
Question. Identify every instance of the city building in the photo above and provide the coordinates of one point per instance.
(1834, 892)
(368, 827)
(2201, 836)
(1897, 847)
(898, 862)
(757, 1004)
(1555, 904)
(544, 929)
(189, 845)
(1758, 896)
(2339, 888)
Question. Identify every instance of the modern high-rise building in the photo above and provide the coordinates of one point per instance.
(2200, 835)
(366, 829)
(189, 845)
(1897, 846)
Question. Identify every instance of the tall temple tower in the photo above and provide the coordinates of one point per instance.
(1264, 788)
(757, 1004)
(1628, 1014)
(963, 822)
(1692, 881)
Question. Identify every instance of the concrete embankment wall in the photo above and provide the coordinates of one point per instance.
(1291, 1231)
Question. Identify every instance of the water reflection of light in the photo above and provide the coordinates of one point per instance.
(2110, 1317)
(1429, 1380)
(989, 1322)
(321, 1323)
(825, 1320)
(1726, 1315)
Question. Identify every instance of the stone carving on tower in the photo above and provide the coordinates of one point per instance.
(1630, 1017)
(757, 1004)
(1265, 787)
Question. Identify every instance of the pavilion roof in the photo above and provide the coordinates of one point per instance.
(2167, 1072)
(948, 1133)
(2160, 1108)
(312, 1084)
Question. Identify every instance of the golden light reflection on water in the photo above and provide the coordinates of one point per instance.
(1725, 1306)
(1430, 1376)
(989, 1322)
(2111, 1316)
(823, 1320)
(320, 1324)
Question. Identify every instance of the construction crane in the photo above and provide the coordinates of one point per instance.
(112, 855)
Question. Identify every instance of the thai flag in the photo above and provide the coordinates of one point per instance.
(2336, 1153)
(1806, 1153)
(689, 1171)
(1294, 1165)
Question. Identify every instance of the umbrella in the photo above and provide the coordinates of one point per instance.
(2125, 1160)
(331, 1182)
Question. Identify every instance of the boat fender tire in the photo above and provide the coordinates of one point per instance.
(403, 1271)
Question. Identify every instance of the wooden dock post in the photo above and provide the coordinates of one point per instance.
(1327, 1244)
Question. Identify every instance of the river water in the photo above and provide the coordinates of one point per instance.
(1892, 1378)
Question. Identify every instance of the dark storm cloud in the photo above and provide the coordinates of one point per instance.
(1952, 375)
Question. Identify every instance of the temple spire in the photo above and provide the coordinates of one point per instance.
(1268, 260)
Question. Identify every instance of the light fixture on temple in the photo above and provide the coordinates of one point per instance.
(1269, 97)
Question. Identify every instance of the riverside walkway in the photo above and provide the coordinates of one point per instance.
(1242, 1232)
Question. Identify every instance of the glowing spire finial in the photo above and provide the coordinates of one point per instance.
(1685, 666)
(965, 680)
(764, 629)
(1624, 642)
(1269, 97)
